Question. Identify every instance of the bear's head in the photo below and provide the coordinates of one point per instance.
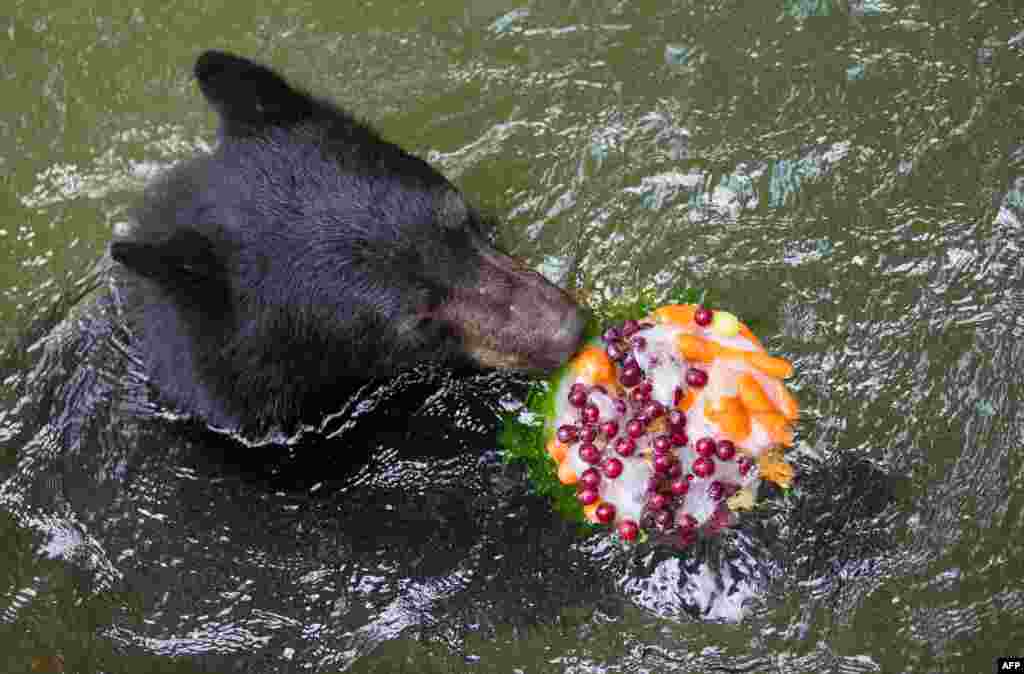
(306, 253)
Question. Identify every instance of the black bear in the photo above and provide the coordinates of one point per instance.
(306, 253)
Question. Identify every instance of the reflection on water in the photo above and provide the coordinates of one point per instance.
(849, 181)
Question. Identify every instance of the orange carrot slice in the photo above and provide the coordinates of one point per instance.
(566, 475)
(677, 314)
(688, 399)
(730, 416)
(752, 395)
(776, 426)
(770, 365)
(750, 336)
(787, 404)
(693, 347)
(557, 450)
(594, 365)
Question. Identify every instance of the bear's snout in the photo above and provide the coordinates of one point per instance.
(514, 318)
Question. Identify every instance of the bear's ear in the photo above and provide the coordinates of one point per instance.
(184, 260)
(249, 96)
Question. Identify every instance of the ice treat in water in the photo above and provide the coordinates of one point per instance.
(666, 425)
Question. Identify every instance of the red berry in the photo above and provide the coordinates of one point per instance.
(620, 406)
(705, 447)
(688, 521)
(639, 396)
(679, 438)
(696, 377)
(567, 433)
(744, 465)
(628, 529)
(589, 433)
(591, 413)
(677, 419)
(680, 487)
(653, 409)
(675, 472)
(625, 446)
(716, 490)
(662, 444)
(605, 513)
(725, 450)
(631, 375)
(662, 463)
(590, 453)
(657, 502)
(720, 519)
(611, 334)
(613, 467)
(663, 520)
(702, 317)
(577, 397)
(647, 387)
(703, 467)
(610, 429)
(590, 478)
(635, 428)
(587, 496)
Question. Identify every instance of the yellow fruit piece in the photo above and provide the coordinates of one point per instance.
(741, 500)
(773, 467)
(590, 511)
(594, 366)
(725, 324)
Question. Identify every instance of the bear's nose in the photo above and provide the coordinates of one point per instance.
(511, 317)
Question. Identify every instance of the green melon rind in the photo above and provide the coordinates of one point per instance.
(525, 432)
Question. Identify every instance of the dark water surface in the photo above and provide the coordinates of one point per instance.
(850, 180)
